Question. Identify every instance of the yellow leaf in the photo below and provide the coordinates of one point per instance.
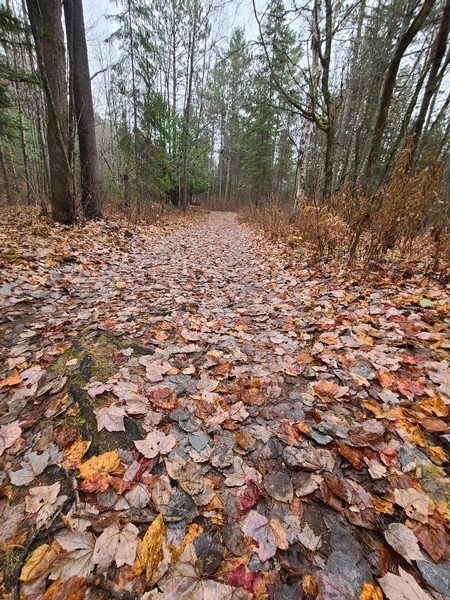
(150, 553)
(109, 462)
(74, 453)
(194, 530)
(370, 592)
(437, 455)
(40, 561)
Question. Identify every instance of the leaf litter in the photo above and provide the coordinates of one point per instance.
(192, 412)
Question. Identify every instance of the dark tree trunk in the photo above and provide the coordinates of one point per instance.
(46, 25)
(438, 52)
(84, 111)
(387, 92)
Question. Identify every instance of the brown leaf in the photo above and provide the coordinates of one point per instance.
(164, 397)
(72, 589)
(150, 552)
(403, 540)
(326, 390)
(409, 387)
(74, 453)
(402, 587)
(432, 537)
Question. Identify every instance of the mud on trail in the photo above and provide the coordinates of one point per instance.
(188, 412)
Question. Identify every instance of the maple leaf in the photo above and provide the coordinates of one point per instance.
(184, 581)
(73, 455)
(33, 465)
(164, 397)
(417, 506)
(402, 587)
(117, 544)
(97, 471)
(40, 561)
(9, 434)
(269, 535)
(326, 390)
(242, 472)
(42, 500)
(77, 558)
(155, 443)
(251, 495)
(249, 580)
(12, 379)
(110, 418)
(96, 389)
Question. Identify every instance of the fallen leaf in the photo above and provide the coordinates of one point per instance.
(110, 418)
(402, 587)
(269, 535)
(73, 455)
(40, 561)
(404, 542)
(326, 390)
(77, 558)
(33, 465)
(12, 379)
(417, 506)
(116, 543)
(155, 443)
(149, 551)
(97, 471)
(9, 434)
(73, 588)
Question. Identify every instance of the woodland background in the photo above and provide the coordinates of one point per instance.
(335, 117)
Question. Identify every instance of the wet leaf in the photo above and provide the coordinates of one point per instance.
(403, 540)
(402, 587)
(116, 543)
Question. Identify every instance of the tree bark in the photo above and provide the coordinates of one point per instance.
(9, 194)
(438, 52)
(84, 111)
(46, 25)
(387, 91)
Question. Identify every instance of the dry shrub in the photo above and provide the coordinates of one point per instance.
(399, 212)
(323, 230)
(403, 220)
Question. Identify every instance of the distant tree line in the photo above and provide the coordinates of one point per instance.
(328, 96)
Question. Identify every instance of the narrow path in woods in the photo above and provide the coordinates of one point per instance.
(289, 426)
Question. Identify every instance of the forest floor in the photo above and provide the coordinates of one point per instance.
(191, 411)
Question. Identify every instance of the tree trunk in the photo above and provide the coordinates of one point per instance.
(437, 52)
(84, 111)
(9, 193)
(387, 91)
(45, 20)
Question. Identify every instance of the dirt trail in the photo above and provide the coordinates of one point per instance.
(280, 424)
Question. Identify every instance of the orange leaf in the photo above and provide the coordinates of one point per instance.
(97, 471)
(386, 379)
(72, 589)
(74, 453)
(13, 379)
(164, 397)
(326, 390)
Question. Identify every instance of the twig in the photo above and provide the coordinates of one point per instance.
(35, 536)
(106, 585)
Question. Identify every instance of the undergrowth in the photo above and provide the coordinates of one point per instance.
(404, 221)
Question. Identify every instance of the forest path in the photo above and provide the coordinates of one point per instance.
(274, 416)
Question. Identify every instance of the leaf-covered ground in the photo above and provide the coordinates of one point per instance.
(190, 412)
